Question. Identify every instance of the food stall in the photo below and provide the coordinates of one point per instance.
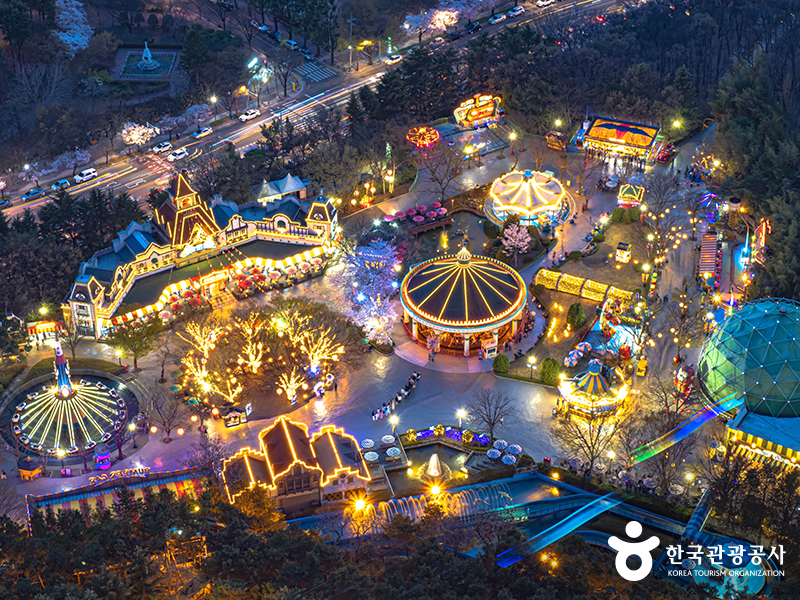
(621, 138)
(556, 140)
(480, 110)
(630, 195)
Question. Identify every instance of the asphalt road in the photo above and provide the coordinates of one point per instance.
(322, 85)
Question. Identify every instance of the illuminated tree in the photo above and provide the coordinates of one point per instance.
(588, 439)
(290, 383)
(134, 134)
(516, 240)
(202, 334)
(251, 330)
(227, 385)
(318, 346)
(685, 317)
(381, 320)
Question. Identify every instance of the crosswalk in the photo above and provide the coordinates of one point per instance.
(316, 71)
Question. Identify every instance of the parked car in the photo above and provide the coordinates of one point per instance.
(61, 184)
(515, 12)
(85, 175)
(259, 26)
(249, 114)
(177, 155)
(277, 35)
(497, 18)
(162, 147)
(225, 4)
(543, 3)
(5, 202)
(31, 194)
(437, 41)
(456, 35)
(203, 132)
(307, 53)
(291, 44)
(473, 27)
(393, 59)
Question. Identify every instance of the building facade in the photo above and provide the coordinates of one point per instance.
(189, 244)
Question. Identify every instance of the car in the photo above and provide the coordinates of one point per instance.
(393, 59)
(307, 53)
(177, 155)
(497, 18)
(601, 18)
(31, 194)
(543, 3)
(473, 27)
(85, 175)
(456, 35)
(162, 147)
(259, 26)
(437, 41)
(203, 132)
(61, 184)
(5, 202)
(249, 114)
(225, 4)
(277, 35)
(641, 367)
(515, 12)
(291, 44)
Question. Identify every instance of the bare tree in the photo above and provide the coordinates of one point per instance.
(242, 20)
(685, 318)
(673, 406)
(443, 166)
(284, 63)
(488, 409)
(666, 466)
(564, 164)
(583, 171)
(165, 351)
(208, 451)
(12, 504)
(539, 151)
(588, 439)
(70, 336)
(40, 84)
(220, 10)
(169, 411)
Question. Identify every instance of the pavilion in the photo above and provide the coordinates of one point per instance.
(460, 303)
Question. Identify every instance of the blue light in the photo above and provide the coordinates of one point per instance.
(361, 297)
(252, 63)
(394, 284)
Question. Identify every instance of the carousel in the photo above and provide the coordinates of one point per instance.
(538, 198)
(463, 304)
(592, 394)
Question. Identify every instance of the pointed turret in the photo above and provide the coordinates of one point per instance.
(62, 373)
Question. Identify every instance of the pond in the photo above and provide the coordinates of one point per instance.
(478, 231)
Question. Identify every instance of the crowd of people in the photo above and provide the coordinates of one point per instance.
(390, 405)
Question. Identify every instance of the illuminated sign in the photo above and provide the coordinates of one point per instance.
(213, 278)
(474, 111)
(124, 474)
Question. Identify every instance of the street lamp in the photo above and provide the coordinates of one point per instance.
(558, 122)
(512, 136)
(394, 421)
(531, 363)
(214, 102)
(461, 414)
(132, 429)
(43, 310)
(119, 357)
(61, 455)
(676, 124)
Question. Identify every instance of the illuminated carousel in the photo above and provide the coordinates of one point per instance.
(463, 304)
(538, 198)
(62, 415)
(590, 394)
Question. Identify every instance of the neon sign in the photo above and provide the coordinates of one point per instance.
(477, 110)
(124, 474)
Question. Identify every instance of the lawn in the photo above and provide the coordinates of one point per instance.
(45, 367)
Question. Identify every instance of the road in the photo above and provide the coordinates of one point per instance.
(322, 86)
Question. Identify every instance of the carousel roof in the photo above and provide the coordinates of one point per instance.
(592, 382)
(527, 193)
(464, 291)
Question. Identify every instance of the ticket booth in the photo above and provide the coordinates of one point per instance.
(29, 469)
(489, 347)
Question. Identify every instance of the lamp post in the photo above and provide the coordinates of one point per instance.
(512, 136)
(394, 421)
(61, 455)
(461, 414)
(119, 357)
(132, 429)
(43, 310)
(214, 102)
(531, 364)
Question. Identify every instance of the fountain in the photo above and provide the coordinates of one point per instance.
(434, 471)
(147, 63)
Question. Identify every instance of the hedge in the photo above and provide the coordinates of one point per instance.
(550, 371)
(10, 372)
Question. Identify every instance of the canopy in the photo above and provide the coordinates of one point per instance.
(592, 381)
(622, 132)
(708, 255)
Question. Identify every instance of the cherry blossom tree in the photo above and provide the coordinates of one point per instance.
(198, 113)
(134, 134)
(72, 26)
(72, 160)
(516, 240)
(3, 184)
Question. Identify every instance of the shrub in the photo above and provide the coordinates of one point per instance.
(575, 255)
(618, 214)
(500, 364)
(599, 238)
(626, 217)
(635, 213)
(550, 371)
(576, 316)
(538, 288)
(10, 372)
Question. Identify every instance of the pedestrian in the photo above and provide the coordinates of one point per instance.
(335, 385)
(3, 475)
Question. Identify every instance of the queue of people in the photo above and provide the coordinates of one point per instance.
(391, 405)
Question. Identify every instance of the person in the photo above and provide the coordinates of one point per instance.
(3, 475)
(335, 385)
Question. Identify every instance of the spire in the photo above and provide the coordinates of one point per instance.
(464, 255)
(63, 382)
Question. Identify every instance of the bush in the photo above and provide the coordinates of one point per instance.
(500, 364)
(538, 288)
(626, 217)
(599, 238)
(550, 371)
(575, 255)
(10, 372)
(635, 213)
(618, 214)
(576, 316)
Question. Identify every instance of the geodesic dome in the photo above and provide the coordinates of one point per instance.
(755, 354)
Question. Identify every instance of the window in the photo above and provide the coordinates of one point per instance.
(349, 480)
